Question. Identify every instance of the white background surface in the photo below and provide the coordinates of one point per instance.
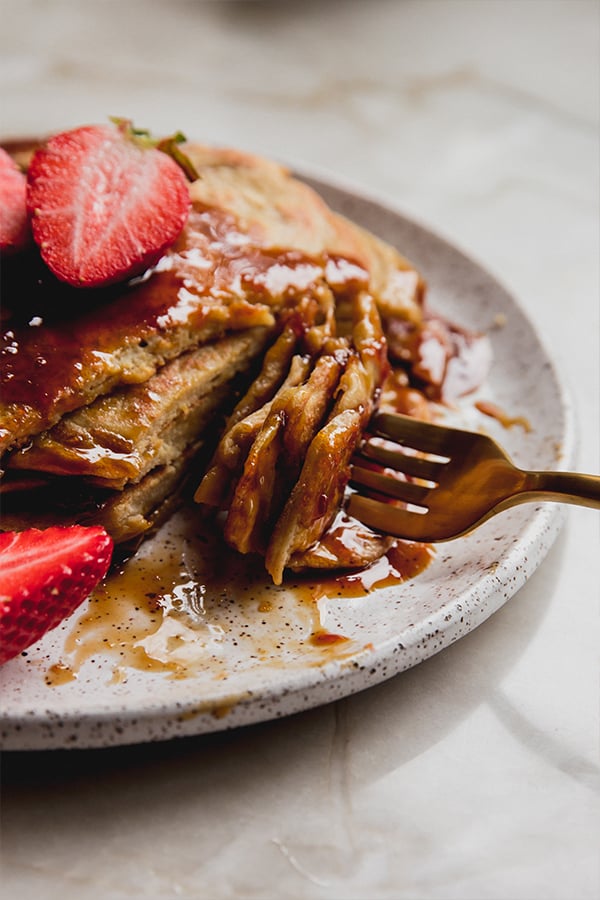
(474, 775)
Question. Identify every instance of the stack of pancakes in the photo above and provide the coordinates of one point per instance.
(248, 360)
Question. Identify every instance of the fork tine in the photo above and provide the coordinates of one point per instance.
(392, 520)
(389, 486)
(411, 432)
(418, 466)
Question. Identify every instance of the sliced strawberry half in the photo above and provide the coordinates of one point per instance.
(15, 233)
(105, 203)
(44, 577)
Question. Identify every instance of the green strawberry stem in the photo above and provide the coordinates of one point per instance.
(169, 145)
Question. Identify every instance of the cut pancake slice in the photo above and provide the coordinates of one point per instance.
(280, 471)
(119, 438)
(126, 514)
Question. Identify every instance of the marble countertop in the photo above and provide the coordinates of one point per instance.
(475, 774)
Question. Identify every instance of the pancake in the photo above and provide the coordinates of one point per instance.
(245, 364)
(121, 436)
(255, 242)
(126, 515)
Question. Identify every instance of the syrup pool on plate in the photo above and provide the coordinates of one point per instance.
(185, 601)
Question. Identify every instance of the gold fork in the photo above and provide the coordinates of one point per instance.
(456, 480)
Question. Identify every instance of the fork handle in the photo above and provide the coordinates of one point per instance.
(566, 487)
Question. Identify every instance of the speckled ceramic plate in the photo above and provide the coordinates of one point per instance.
(120, 672)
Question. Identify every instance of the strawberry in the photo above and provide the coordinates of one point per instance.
(105, 202)
(44, 577)
(14, 222)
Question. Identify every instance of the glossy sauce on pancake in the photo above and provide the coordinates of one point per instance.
(62, 346)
